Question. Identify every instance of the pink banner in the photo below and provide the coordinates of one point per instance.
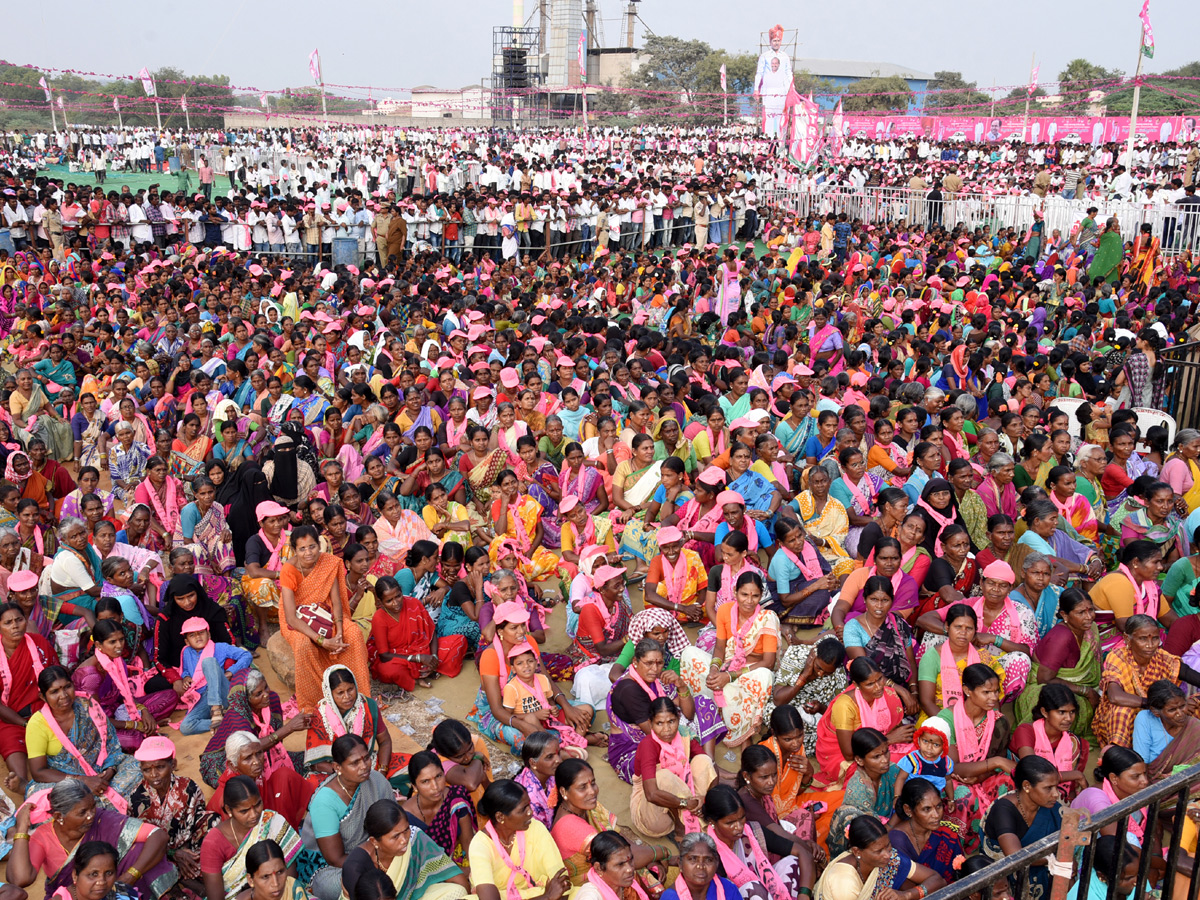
(1089, 130)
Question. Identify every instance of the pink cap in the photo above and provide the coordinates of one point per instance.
(730, 497)
(712, 476)
(193, 625)
(269, 508)
(605, 574)
(669, 535)
(568, 504)
(1001, 571)
(22, 581)
(155, 748)
(521, 648)
(510, 611)
(509, 377)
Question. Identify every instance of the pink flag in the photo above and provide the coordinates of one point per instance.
(314, 66)
(790, 104)
(724, 83)
(147, 82)
(582, 54)
(60, 102)
(1147, 31)
(839, 119)
(116, 104)
(45, 87)
(1033, 80)
(263, 101)
(183, 102)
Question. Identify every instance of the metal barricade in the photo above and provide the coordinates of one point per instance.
(1075, 846)
(1177, 229)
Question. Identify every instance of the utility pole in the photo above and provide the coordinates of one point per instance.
(1137, 95)
(992, 114)
(1028, 97)
(321, 74)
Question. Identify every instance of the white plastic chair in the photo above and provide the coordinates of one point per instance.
(1147, 418)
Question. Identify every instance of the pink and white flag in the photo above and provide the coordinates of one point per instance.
(724, 77)
(147, 82)
(314, 66)
(582, 54)
(60, 102)
(1147, 31)
(183, 102)
(1033, 80)
(116, 104)
(45, 87)
(263, 100)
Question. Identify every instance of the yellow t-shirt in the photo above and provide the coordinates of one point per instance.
(39, 739)
(542, 861)
(1114, 593)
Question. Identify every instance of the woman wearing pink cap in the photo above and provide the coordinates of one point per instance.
(511, 619)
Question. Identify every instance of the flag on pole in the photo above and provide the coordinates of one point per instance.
(116, 104)
(45, 87)
(724, 78)
(263, 101)
(582, 54)
(183, 102)
(60, 102)
(1033, 80)
(1147, 31)
(147, 82)
(314, 66)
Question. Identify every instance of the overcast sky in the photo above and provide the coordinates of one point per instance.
(448, 43)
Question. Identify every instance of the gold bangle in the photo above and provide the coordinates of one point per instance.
(133, 874)
(20, 836)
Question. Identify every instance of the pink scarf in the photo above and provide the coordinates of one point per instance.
(273, 758)
(1063, 756)
(674, 758)
(738, 635)
(872, 715)
(942, 522)
(96, 714)
(651, 692)
(115, 669)
(568, 736)
(580, 540)
(1014, 624)
(810, 566)
(971, 748)
(510, 890)
(6, 672)
(166, 509)
(275, 562)
(675, 577)
(607, 893)
(952, 690)
(1137, 827)
(685, 893)
(864, 502)
(716, 443)
(565, 478)
(956, 444)
(742, 874)
(1145, 597)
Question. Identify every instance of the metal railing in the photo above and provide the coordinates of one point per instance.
(1182, 390)
(1075, 845)
(1177, 229)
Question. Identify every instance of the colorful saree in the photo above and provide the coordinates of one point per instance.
(128, 835)
(271, 827)
(832, 525)
(1085, 673)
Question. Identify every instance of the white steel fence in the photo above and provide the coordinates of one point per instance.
(1178, 228)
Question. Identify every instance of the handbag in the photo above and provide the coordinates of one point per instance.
(318, 618)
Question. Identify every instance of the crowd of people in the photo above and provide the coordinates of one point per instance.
(867, 510)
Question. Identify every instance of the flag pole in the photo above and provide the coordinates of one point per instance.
(66, 124)
(187, 116)
(53, 118)
(1137, 94)
(321, 78)
(1028, 97)
(120, 118)
(157, 111)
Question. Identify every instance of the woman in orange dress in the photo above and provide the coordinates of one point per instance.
(313, 588)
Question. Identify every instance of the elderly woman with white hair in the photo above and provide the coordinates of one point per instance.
(126, 461)
(75, 576)
(282, 789)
